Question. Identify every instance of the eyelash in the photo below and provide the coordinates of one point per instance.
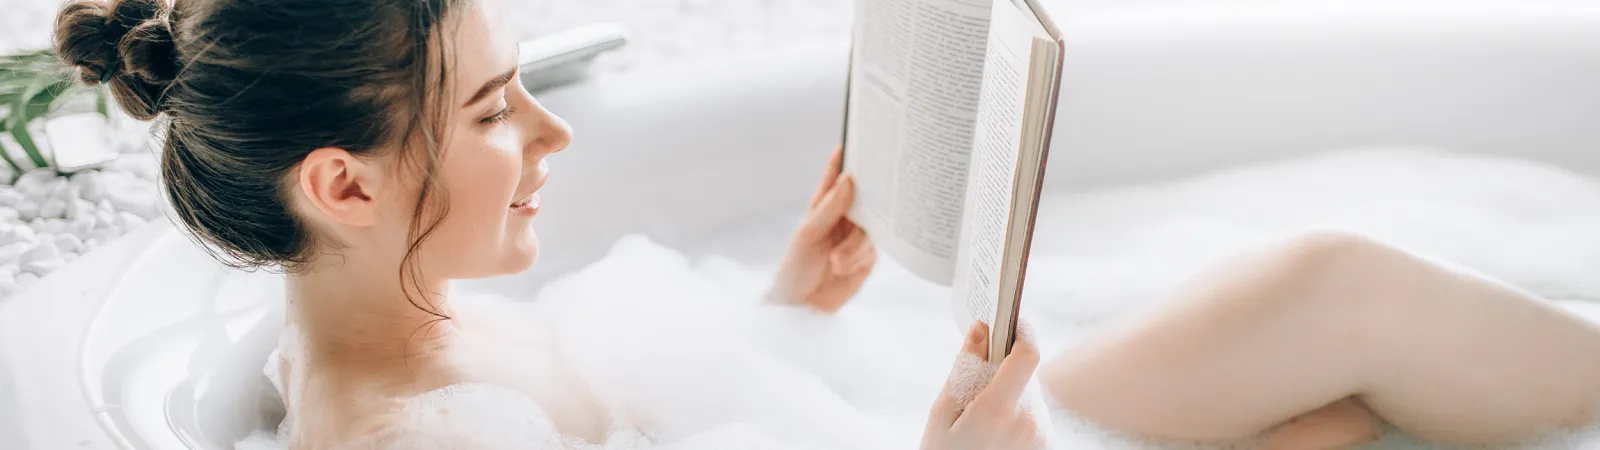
(500, 116)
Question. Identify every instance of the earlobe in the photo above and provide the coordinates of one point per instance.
(340, 186)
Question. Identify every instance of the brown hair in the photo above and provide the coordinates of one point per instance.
(249, 87)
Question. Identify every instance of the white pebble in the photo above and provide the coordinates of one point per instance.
(112, 182)
(44, 267)
(10, 215)
(129, 221)
(27, 279)
(138, 203)
(82, 226)
(65, 192)
(81, 209)
(9, 253)
(90, 187)
(142, 165)
(69, 243)
(10, 196)
(16, 234)
(105, 217)
(107, 234)
(52, 226)
(44, 252)
(43, 191)
(28, 209)
(9, 289)
(53, 208)
(68, 257)
(10, 269)
(35, 179)
(44, 236)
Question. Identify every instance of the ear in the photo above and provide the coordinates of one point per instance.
(341, 186)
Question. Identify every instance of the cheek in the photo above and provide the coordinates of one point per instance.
(479, 179)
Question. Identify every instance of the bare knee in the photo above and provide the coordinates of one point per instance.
(1316, 270)
(1340, 270)
(1317, 254)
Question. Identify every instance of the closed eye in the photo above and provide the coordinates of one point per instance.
(499, 117)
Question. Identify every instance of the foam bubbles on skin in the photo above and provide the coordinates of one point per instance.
(687, 356)
(970, 376)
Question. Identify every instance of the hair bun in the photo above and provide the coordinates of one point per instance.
(147, 51)
(126, 43)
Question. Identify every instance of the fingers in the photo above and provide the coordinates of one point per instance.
(829, 175)
(1012, 379)
(993, 419)
(864, 258)
(977, 342)
(833, 206)
(854, 253)
(952, 399)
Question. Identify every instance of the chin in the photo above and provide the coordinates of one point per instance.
(522, 254)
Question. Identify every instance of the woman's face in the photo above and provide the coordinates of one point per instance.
(492, 160)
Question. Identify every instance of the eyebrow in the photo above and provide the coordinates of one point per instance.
(493, 85)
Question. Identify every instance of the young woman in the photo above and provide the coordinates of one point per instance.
(375, 149)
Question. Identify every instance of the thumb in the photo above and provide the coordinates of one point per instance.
(1004, 390)
(831, 208)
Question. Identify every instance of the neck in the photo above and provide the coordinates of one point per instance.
(351, 317)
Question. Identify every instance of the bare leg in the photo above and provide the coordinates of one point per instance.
(1274, 335)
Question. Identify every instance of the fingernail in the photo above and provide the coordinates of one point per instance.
(976, 335)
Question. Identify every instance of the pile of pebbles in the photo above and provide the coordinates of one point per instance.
(47, 219)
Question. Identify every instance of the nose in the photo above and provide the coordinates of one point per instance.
(551, 133)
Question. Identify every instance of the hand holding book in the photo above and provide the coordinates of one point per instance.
(829, 257)
(980, 405)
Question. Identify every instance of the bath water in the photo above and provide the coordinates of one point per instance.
(686, 356)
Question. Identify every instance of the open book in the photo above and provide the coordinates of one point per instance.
(947, 127)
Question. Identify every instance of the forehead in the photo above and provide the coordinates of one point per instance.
(483, 46)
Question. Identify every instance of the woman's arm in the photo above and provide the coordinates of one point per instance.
(1337, 324)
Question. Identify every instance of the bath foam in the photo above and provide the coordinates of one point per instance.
(689, 357)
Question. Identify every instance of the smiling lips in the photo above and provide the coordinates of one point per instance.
(529, 203)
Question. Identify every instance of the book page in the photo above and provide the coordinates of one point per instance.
(991, 189)
(916, 68)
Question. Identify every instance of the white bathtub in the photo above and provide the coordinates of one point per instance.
(150, 345)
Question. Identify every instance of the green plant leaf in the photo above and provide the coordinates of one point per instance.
(32, 85)
(35, 102)
(5, 154)
(25, 140)
(102, 98)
